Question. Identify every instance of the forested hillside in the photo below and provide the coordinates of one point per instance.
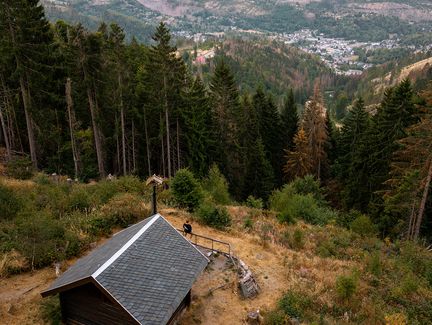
(86, 104)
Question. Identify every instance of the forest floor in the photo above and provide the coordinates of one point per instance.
(275, 268)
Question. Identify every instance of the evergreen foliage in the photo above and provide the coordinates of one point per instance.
(186, 190)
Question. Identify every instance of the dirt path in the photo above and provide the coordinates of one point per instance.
(20, 297)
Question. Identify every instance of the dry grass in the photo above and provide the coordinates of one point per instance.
(276, 268)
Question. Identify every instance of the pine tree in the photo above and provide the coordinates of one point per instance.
(270, 131)
(161, 81)
(352, 157)
(298, 163)
(228, 117)
(410, 177)
(198, 129)
(397, 112)
(259, 175)
(314, 124)
(289, 121)
(26, 35)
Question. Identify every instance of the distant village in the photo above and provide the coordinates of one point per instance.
(338, 54)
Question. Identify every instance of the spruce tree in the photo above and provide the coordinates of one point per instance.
(352, 146)
(259, 174)
(198, 128)
(27, 37)
(228, 119)
(289, 121)
(397, 112)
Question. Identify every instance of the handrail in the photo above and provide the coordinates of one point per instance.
(212, 242)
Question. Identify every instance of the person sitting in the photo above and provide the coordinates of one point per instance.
(187, 228)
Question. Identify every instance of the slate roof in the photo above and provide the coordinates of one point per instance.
(147, 268)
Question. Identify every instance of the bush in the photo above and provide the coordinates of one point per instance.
(305, 207)
(275, 317)
(252, 202)
(51, 311)
(44, 240)
(248, 223)
(9, 203)
(309, 185)
(294, 240)
(346, 286)
(363, 226)
(122, 210)
(374, 264)
(217, 186)
(186, 190)
(213, 215)
(79, 199)
(294, 304)
(20, 168)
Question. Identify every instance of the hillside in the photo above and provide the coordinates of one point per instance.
(274, 66)
(298, 266)
(335, 19)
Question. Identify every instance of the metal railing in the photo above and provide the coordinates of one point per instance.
(208, 243)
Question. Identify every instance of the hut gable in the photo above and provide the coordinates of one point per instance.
(148, 269)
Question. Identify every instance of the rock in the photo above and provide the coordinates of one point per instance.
(294, 321)
(254, 317)
(11, 309)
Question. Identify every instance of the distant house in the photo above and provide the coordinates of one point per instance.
(142, 275)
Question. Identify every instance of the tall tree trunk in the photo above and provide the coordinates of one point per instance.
(2, 119)
(178, 146)
(147, 144)
(423, 201)
(122, 122)
(134, 167)
(118, 160)
(25, 93)
(163, 148)
(167, 129)
(72, 126)
(96, 133)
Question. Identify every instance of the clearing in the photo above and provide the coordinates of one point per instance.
(275, 268)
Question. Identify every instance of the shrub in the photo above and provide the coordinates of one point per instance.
(363, 226)
(252, 202)
(294, 304)
(217, 186)
(9, 203)
(51, 311)
(44, 240)
(121, 211)
(346, 286)
(294, 240)
(275, 317)
(21, 168)
(305, 207)
(308, 185)
(79, 199)
(374, 264)
(186, 190)
(213, 215)
(248, 223)
(345, 219)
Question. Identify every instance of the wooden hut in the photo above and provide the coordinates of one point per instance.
(142, 275)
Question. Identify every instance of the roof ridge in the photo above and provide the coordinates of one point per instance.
(117, 254)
